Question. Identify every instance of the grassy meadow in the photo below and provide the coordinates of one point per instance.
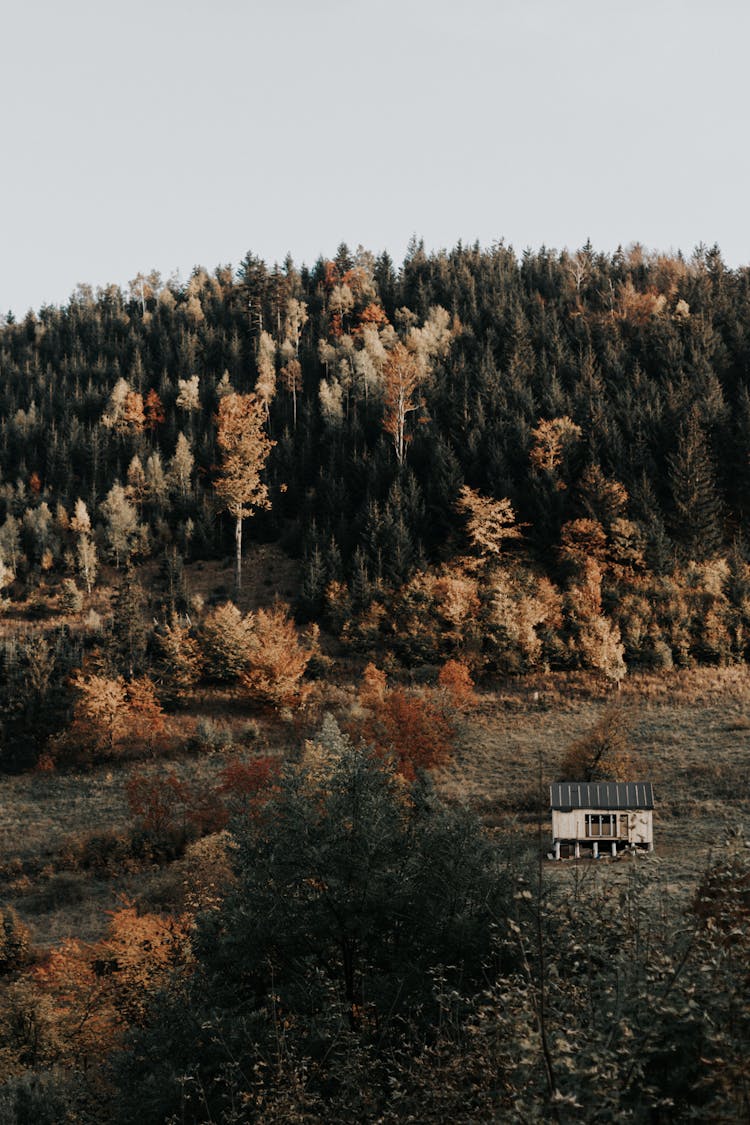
(689, 731)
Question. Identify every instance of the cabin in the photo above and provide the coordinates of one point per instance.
(601, 817)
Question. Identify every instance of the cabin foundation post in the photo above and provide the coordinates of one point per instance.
(557, 849)
(614, 847)
(578, 849)
(595, 846)
(651, 845)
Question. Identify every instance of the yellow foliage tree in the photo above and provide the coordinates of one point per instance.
(244, 447)
(276, 659)
(489, 523)
(552, 438)
(403, 374)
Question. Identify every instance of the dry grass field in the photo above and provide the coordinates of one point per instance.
(690, 736)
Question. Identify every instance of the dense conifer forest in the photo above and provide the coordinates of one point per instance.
(604, 397)
(279, 547)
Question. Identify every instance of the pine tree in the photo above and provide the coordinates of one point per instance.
(129, 633)
(696, 514)
(181, 663)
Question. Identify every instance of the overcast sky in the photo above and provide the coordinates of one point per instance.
(169, 133)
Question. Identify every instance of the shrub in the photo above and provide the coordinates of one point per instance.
(457, 686)
(212, 737)
(602, 754)
(276, 659)
(14, 941)
(225, 637)
(246, 786)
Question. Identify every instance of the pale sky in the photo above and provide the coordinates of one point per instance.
(169, 133)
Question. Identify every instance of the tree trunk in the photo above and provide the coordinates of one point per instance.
(238, 555)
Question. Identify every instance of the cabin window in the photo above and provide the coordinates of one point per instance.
(601, 824)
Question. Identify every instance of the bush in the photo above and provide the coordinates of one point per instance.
(603, 753)
(105, 852)
(41, 1098)
(212, 737)
(14, 941)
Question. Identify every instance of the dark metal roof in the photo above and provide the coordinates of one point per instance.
(601, 795)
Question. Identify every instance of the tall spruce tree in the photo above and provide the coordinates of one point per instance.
(696, 514)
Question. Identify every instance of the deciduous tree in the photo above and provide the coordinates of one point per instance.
(490, 523)
(244, 446)
(276, 659)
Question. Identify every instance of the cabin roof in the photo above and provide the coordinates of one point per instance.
(601, 795)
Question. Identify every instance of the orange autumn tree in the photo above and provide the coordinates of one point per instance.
(100, 714)
(247, 786)
(172, 810)
(110, 715)
(153, 411)
(602, 753)
(146, 721)
(276, 658)
(133, 416)
(93, 992)
(244, 447)
(457, 686)
(553, 438)
(404, 724)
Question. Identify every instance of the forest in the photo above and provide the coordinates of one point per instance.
(281, 549)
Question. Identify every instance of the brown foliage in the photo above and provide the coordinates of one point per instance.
(374, 315)
(133, 416)
(552, 437)
(111, 716)
(415, 730)
(581, 540)
(457, 686)
(246, 786)
(153, 411)
(637, 307)
(403, 724)
(603, 753)
(276, 660)
(88, 994)
(244, 447)
(145, 714)
(100, 715)
(170, 809)
(373, 688)
(489, 522)
(402, 375)
(594, 640)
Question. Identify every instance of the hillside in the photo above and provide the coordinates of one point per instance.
(313, 580)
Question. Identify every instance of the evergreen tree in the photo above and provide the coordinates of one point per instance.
(696, 506)
(128, 637)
